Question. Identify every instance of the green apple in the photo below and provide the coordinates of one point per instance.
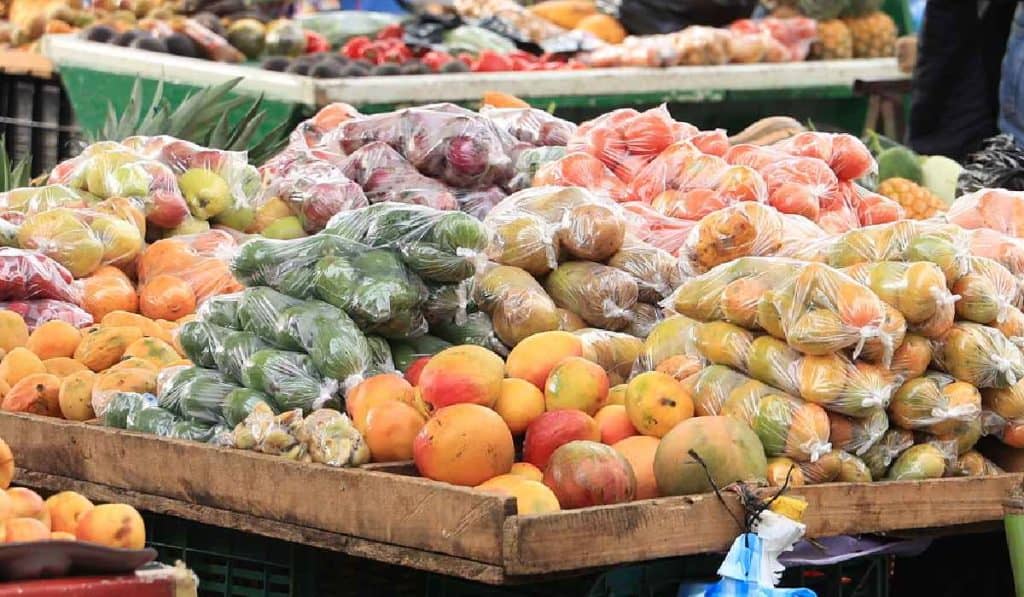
(206, 192)
(285, 229)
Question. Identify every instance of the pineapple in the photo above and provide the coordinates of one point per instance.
(917, 201)
(834, 41)
(874, 35)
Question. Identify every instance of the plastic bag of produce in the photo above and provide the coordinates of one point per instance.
(643, 318)
(442, 141)
(712, 385)
(532, 228)
(615, 352)
(439, 246)
(512, 15)
(407, 351)
(385, 175)
(333, 341)
(935, 403)
(845, 154)
(916, 289)
(855, 389)
(263, 431)
(37, 312)
(476, 328)
(801, 186)
(871, 208)
(973, 464)
(200, 341)
(194, 393)
(626, 140)
(820, 311)
(479, 203)
(201, 260)
(339, 26)
(153, 420)
(579, 169)
(120, 405)
(912, 358)
(857, 435)
(81, 240)
(240, 403)
(671, 337)
(744, 229)
(517, 304)
(980, 356)
(1007, 250)
(221, 310)
(534, 127)
(785, 425)
(212, 180)
(258, 313)
(332, 439)
(853, 469)
(996, 209)
(987, 292)
(449, 302)
(373, 287)
(233, 351)
(528, 163)
(732, 291)
(290, 378)
(1003, 414)
(602, 296)
(314, 192)
(656, 229)
(825, 469)
(885, 451)
(32, 200)
(288, 266)
(920, 462)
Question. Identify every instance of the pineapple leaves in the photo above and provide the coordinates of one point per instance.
(203, 117)
(12, 174)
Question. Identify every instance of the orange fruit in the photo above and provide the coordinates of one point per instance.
(166, 297)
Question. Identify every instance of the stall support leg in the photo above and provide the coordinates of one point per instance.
(1014, 523)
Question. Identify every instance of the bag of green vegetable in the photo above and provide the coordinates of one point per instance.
(373, 287)
(258, 313)
(233, 352)
(440, 246)
(238, 404)
(121, 405)
(194, 393)
(337, 347)
(288, 265)
(381, 360)
(476, 329)
(198, 340)
(449, 302)
(221, 309)
(290, 378)
(152, 419)
(405, 352)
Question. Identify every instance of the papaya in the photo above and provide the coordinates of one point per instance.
(13, 331)
(63, 366)
(154, 350)
(103, 346)
(137, 363)
(146, 326)
(54, 339)
(36, 394)
(75, 396)
(18, 364)
(140, 381)
(919, 462)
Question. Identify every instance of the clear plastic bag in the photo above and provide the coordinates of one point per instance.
(643, 318)
(194, 393)
(31, 200)
(732, 291)
(81, 240)
(870, 207)
(1003, 414)
(656, 272)
(277, 435)
(232, 352)
(258, 312)
(332, 439)
(385, 175)
(615, 352)
(476, 328)
(479, 203)
(221, 310)
(201, 260)
(785, 425)
(801, 186)
(334, 343)
(579, 169)
(996, 209)
(920, 462)
(528, 162)
(290, 378)
(536, 228)
(531, 126)
(39, 311)
(857, 435)
(1007, 250)
(980, 356)
(373, 287)
(917, 290)
(881, 455)
(602, 296)
(745, 229)
(315, 192)
(912, 358)
(439, 246)
(973, 464)
(845, 154)
(442, 141)
(517, 304)
(935, 403)
(656, 229)
(825, 469)
(987, 292)
(121, 405)
(853, 469)
(26, 275)
(626, 140)
(288, 266)
(671, 337)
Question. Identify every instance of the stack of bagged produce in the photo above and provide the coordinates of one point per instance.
(440, 155)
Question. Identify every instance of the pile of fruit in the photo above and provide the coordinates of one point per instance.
(64, 516)
(846, 28)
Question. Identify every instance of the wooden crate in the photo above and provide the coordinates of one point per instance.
(403, 519)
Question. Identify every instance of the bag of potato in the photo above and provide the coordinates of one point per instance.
(916, 289)
(935, 403)
(536, 228)
(81, 240)
(979, 355)
(742, 230)
(602, 296)
(516, 303)
(821, 310)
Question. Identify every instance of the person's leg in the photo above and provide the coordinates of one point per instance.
(1011, 84)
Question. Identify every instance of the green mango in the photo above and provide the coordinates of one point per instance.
(222, 310)
(240, 402)
(152, 419)
(258, 313)
(235, 350)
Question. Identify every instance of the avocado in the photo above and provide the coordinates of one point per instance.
(455, 66)
(277, 63)
(325, 70)
(354, 70)
(126, 38)
(385, 70)
(180, 44)
(899, 162)
(149, 43)
(100, 33)
(249, 36)
(298, 68)
(414, 67)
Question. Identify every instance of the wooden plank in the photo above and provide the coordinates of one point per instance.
(354, 546)
(382, 507)
(698, 524)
